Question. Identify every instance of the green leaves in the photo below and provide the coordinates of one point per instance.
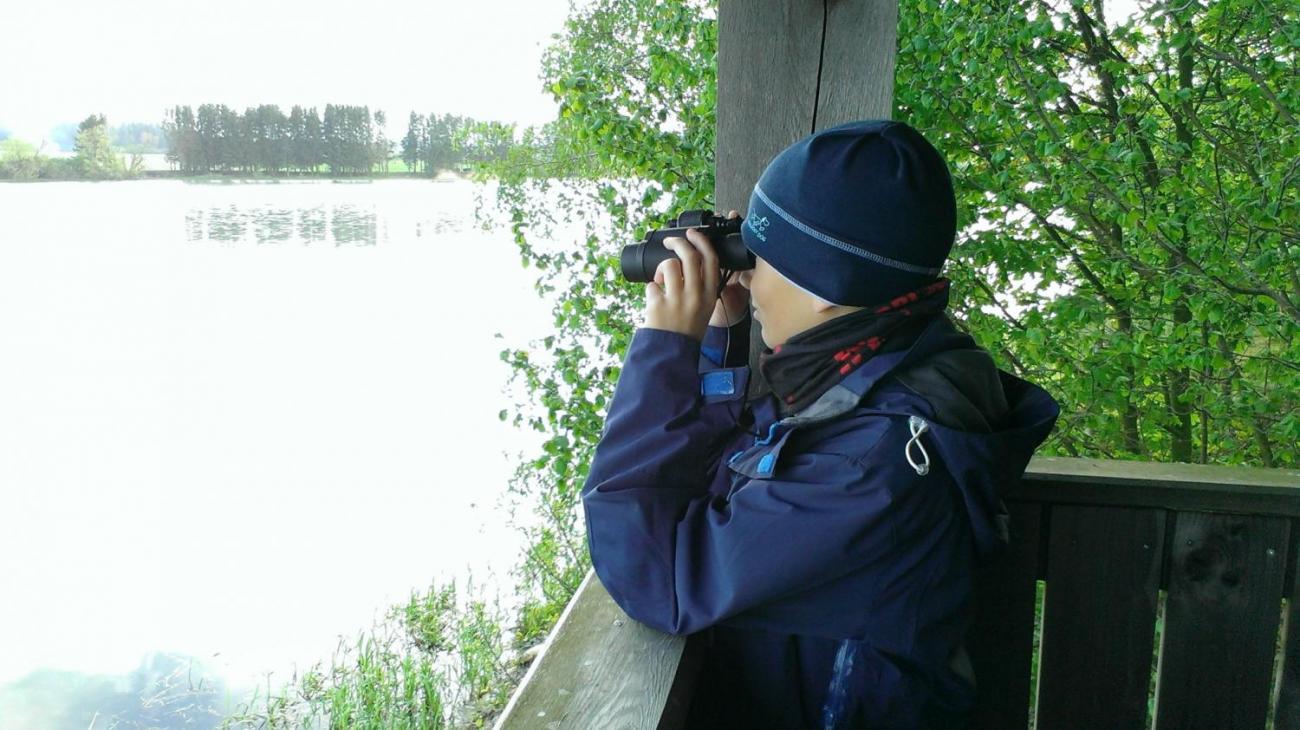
(636, 86)
(1084, 158)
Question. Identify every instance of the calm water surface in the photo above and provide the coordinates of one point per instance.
(239, 420)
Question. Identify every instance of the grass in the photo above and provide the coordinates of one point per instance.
(445, 658)
(435, 662)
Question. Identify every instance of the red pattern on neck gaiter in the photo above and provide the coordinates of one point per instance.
(812, 361)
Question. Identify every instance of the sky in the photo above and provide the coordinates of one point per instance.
(133, 59)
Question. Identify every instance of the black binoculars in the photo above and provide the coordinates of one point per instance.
(639, 260)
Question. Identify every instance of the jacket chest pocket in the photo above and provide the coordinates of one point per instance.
(758, 461)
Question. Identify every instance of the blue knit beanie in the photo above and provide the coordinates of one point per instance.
(856, 214)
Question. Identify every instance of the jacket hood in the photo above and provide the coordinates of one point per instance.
(984, 423)
(987, 465)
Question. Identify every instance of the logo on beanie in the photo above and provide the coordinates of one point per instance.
(757, 224)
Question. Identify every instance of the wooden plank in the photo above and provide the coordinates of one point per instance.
(1103, 572)
(1144, 473)
(857, 70)
(1001, 637)
(768, 57)
(677, 706)
(1287, 716)
(600, 669)
(1221, 619)
(768, 54)
(1181, 487)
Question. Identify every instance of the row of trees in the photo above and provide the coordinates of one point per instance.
(451, 142)
(346, 140)
(216, 138)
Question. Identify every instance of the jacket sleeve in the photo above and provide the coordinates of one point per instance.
(679, 559)
(719, 351)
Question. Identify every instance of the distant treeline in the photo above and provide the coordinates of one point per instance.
(451, 142)
(217, 138)
(347, 140)
(95, 157)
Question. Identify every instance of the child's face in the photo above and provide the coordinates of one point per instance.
(782, 308)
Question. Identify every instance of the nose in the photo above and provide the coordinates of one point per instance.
(745, 276)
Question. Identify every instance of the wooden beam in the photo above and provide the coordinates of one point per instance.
(787, 68)
(769, 52)
(857, 76)
(1103, 576)
(1181, 487)
(601, 669)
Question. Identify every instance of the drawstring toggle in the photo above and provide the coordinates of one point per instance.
(917, 426)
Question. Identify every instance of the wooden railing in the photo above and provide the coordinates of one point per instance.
(1205, 554)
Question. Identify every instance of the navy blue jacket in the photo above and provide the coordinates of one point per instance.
(829, 553)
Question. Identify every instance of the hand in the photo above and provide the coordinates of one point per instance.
(733, 305)
(682, 294)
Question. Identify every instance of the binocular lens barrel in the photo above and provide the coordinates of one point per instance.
(639, 260)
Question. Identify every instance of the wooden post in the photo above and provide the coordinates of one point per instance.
(786, 68)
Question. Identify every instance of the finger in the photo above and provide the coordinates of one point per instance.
(689, 260)
(733, 214)
(653, 294)
(687, 264)
(709, 269)
(670, 273)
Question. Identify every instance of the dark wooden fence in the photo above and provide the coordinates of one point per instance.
(1207, 552)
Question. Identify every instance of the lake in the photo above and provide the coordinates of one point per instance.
(239, 421)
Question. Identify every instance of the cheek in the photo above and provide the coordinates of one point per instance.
(758, 288)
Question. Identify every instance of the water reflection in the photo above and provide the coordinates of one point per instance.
(437, 224)
(274, 227)
(349, 225)
(343, 224)
(311, 224)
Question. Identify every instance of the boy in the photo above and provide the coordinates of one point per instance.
(823, 532)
